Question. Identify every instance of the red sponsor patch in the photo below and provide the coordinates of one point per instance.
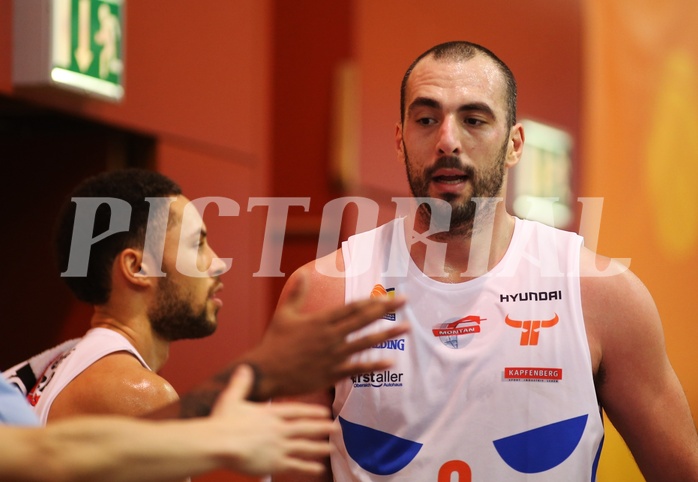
(464, 326)
(533, 374)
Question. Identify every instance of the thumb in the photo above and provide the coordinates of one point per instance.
(238, 389)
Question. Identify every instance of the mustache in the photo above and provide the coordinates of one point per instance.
(449, 162)
(215, 288)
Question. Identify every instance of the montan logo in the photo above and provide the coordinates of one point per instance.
(464, 326)
(379, 290)
(449, 332)
(531, 328)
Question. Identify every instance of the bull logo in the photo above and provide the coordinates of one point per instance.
(531, 328)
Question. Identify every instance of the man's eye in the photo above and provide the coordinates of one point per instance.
(471, 121)
(426, 121)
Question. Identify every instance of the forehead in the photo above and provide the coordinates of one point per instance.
(457, 81)
(184, 214)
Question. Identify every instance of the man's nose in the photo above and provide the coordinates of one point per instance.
(449, 138)
(218, 266)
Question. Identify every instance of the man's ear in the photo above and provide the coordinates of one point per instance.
(399, 144)
(515, 145)
(133, 267)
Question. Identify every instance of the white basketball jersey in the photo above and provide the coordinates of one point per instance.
(493, 383)
(97, 343)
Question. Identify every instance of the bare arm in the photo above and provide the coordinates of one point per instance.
(242, 436)
(636, 384)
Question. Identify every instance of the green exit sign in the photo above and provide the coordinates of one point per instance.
(87, 45)
(78, 44)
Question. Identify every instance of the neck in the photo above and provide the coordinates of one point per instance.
(137, 330)
(461, 254)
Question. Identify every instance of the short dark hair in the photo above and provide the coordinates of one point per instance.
(130, 185)
(462, 50)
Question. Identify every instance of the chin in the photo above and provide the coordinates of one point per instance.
(213, 324)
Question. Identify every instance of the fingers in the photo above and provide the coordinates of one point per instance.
(305, 423)
(350, 369)
(307, 441)
(306, 430)
(237, 390)
(296, 410)
(305, 454)
(373, 339)
(361, 344)
(309, 448)
(303, 466)
(358, 314)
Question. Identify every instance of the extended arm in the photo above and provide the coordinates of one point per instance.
(243, 436)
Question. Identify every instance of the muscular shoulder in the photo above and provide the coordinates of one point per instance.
(116, 384)
(323, 281)
(609, 287)
(619, 311)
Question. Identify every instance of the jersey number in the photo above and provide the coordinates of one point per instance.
(458, 467)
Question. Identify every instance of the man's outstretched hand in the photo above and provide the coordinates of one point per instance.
(258, 438)
(307, 352)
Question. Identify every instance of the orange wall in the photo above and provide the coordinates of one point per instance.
(310, 38)
(641, 78)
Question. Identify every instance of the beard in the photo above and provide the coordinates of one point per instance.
(174, 318)
(486, 183)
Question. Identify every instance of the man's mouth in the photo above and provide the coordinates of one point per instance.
(214, 296)
(450, 179)
(449, 176)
